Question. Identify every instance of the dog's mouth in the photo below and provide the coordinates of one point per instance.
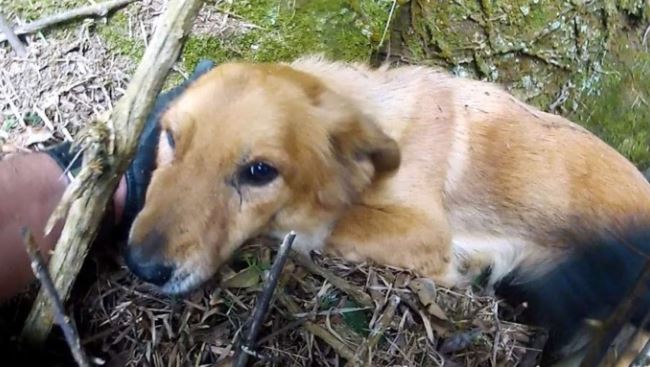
(182, 283)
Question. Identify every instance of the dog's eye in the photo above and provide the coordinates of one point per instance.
(170, 139)
(257, 174)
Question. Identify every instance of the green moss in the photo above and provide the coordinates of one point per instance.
(557, 55)
(538, 48)
(30, 10)
(634, 8)
(115, 33)
(619, 109)
(345, 30)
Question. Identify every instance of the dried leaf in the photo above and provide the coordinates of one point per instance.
(427, 326)
(375, 294)
(426, 292)
(247, 278)
(34, 136)
(459, 341)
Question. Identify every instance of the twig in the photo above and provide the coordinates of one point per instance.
(290, 326)
(264, 300)
(5, 28)
(539, 341)
(640, 328)
(360, 297)
(497, 334)
(40, 270)
(98, 10)
(10, 101)
(615, 323)
(107, 158)
(341, 349)
(377, 332)
(643, 358)
(390, 17)
(644, 39)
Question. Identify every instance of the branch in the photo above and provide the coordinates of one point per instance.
(340, 348)
(360, 297)
(108, 151)
(612, 327)
(539, 341)
(377, 332)
(5, 28)
(40, 270)
(264, 299)
(643, 358)
(98, 10)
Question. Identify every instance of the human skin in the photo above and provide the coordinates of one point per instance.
(31, 186)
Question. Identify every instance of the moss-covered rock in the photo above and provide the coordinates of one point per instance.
(116, 34)
(282, 30)
(577, 58)
(581, 59)
(618, 109)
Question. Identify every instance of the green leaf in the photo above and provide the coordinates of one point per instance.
(247, 278)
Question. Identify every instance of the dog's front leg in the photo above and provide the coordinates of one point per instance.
(400, 236)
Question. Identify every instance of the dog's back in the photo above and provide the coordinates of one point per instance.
(545, 207)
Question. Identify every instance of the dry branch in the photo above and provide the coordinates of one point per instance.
(613, 326)
(341, 349)
(5, 28)
(108, 152)
(643, 358)
(97, 10)
(536, 348)
(264, 300)
(375, 335)
(359, 296)
(40, 270)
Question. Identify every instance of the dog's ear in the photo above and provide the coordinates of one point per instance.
(363, 153)
(359, 139)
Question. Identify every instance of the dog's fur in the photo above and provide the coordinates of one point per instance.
(408, 166)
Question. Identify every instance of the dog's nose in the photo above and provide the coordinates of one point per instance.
(145, 261)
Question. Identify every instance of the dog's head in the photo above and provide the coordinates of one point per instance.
(247, 150)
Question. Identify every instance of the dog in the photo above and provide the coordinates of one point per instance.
(452, 178)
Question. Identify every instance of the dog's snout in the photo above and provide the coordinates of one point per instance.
(146, 260)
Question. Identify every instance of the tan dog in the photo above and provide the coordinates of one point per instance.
(409, 167)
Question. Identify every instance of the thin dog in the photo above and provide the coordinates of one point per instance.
(412, 167)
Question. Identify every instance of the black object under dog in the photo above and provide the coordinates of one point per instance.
(589, 284)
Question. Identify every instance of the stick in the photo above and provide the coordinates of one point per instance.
(10, 36)
(639, 329)
(264, 300)
(371, 341)
(40, 270)
(340, 348)
(360, 297)
(612, 327)
(530, 358)
(107, 155)
(98, 10)
(643, 358)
